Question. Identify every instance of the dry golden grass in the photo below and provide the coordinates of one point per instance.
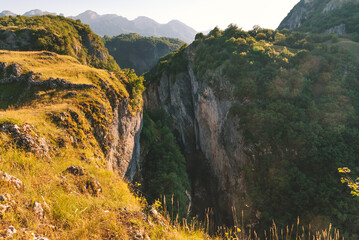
(59, 66)
(70, 211)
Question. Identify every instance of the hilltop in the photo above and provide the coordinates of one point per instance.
(57, 34)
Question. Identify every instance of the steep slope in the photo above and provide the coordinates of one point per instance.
(113, 25)
(264, 119)
(329, 16)
(140, 53)
(68, 135)
(56, 34)
(65, 142)
(72, 112)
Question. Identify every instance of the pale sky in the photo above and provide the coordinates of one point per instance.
(199, 14)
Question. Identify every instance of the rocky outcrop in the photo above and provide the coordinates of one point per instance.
(76, 170)
(340, 29)
(84, 182)
(37, 209)
(12, 73)
(10, 231)
(209, 136)
(11, 180)
(26, 137)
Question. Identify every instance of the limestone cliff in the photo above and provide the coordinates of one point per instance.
(209, 136)
(240, 103)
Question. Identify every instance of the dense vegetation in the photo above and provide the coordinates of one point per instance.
(316, 19)
(140, 53)
(56, 34)
(67, 37)
(298, 110)
(164, 168)
(348, 15)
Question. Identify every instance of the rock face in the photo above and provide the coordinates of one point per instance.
(340, 29)
(124, 143)
(209, 136)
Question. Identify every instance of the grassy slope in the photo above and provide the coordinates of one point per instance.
(69, 212)
(56, 34)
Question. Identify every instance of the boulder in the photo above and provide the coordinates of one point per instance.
(76, 170)
(93, 186)
(11, 180)
(38, 210)
(3, 208)
(10, 231)
(26, 137)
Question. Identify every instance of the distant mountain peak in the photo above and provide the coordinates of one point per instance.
(37, 12)
(91, 14)
(7, 13)
(113, 25)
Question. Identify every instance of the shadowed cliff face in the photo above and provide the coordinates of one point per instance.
(209, 137)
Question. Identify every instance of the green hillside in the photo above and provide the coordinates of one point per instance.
(56, 34)
(325, 17)
(140, 53)
(295, 98)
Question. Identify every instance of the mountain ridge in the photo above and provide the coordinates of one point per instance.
(113, 25)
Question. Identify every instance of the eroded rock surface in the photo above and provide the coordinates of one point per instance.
(209, 136)
(25, 136)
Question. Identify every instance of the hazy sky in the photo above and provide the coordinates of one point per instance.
(199, 14)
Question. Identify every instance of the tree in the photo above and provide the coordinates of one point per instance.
(353, 185)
